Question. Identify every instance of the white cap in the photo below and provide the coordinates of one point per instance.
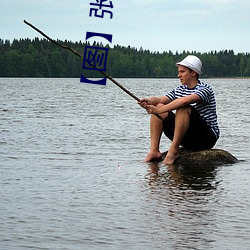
(191, 62)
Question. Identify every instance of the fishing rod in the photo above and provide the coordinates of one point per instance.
(92, 65)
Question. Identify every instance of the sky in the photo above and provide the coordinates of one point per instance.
(155, 25)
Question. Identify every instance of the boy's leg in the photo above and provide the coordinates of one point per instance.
(156, 128)
(181, 127)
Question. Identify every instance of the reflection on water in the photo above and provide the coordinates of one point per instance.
(184, 195)
(189, 177)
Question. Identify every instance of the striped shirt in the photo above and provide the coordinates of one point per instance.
(206, 108)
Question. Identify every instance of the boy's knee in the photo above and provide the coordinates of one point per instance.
(159, 105)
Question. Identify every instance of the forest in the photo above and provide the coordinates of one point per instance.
(41, 58)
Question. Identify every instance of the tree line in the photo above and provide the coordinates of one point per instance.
(41, 58)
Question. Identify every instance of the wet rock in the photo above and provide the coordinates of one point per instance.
(213, 157)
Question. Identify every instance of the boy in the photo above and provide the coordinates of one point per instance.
(194, 125)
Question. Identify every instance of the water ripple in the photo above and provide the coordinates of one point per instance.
(72, 175)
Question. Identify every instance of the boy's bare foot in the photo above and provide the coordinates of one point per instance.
(153, 156)
(170, 157)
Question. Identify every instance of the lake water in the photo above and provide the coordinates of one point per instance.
(72, 176)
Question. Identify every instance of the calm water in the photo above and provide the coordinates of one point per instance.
(72, 175)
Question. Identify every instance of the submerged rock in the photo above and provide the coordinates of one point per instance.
(204, 157)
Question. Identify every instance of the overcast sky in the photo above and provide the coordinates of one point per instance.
(157, 25)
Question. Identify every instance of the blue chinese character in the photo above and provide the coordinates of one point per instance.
(92, 34)
(95, 58)
(110, 5)
(100, 82)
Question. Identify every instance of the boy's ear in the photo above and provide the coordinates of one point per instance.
(194, 73)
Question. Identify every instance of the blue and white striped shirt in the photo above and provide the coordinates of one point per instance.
(206, 108)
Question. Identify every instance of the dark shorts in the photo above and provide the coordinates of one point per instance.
(199, 135)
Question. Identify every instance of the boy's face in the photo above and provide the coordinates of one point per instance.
(185, 75)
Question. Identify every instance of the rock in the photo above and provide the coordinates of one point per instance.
(213, 157)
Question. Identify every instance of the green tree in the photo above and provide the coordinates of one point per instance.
(247, 69)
